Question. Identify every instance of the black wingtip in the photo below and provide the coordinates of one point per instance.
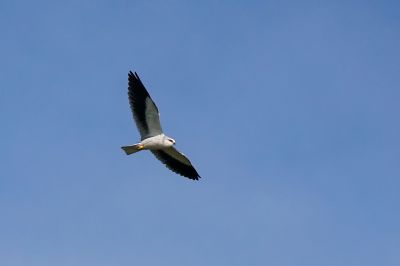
(195, 178)
(137, 76)
(133, 75)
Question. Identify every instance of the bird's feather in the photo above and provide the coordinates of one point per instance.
(145, 112)
(176, 162)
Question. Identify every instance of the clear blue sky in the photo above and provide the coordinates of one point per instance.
(288, 109)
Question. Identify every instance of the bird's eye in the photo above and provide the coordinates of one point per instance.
(171, 140)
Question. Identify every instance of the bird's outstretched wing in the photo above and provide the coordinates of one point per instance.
(176, 162)
(144, 110)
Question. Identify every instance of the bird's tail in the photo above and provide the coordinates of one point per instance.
(132, 148)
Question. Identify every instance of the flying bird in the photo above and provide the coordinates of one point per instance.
(147, 119)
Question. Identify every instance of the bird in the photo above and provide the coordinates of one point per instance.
(147, 119)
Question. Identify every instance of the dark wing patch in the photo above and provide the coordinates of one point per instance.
(145, 112)
(177, 162)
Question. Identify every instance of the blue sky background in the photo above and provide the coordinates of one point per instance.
(288, 109)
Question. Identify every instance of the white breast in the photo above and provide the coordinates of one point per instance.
(156, 142)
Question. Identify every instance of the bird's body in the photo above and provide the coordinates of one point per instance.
(154, 143)
(145, 114)
(157, 142)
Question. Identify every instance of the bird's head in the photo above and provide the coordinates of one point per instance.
(171, 141)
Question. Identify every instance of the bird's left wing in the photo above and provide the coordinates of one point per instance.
(145, 111)
(176, 162)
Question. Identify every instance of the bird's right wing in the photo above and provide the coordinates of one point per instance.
(145, 111)
(176, 162)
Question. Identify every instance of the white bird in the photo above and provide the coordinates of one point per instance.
(146, 116)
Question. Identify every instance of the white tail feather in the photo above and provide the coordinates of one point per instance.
(131, 148)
